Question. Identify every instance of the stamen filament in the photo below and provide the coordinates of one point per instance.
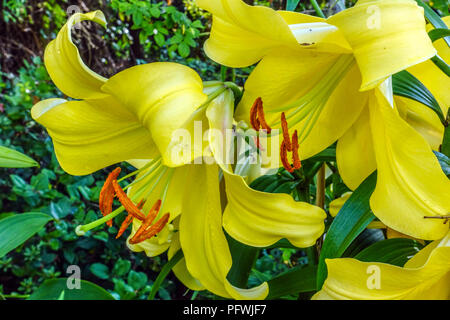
(148, 165)
(82, 229)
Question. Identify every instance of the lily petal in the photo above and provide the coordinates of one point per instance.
(282, 78)
(387, 36)
(426, 277)
(408, 172)
(151, 187)
(354, 153)
(154, 246)
(180, 270)
(65, 66)
(260, 219)
(92, 135)
(205, 247)
(241, 34)
(162, 95)
(422, 119)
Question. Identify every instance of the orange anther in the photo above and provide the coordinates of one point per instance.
(261, 118)
(153, 230)
(254, 114)
(283, 156)
(124, 225)
(295, 156)
(106, 197)
(127, 203)
(128, 220)
(284, 128)
(148, 220)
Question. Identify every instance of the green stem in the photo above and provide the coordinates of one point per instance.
(164, 272)
(317, 8)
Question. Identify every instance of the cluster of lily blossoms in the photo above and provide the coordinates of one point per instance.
(317, 81)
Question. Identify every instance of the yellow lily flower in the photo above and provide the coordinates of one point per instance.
(332, 81)
(426, 276)
(135, 115)
(252, 217)
(424, 120)
(129, 116)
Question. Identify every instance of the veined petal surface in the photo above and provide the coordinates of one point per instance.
(425, 276)
(65, 66)
(89, 136)
(204, 245)
(410, 183)
(162, 95)
(260, 219)
(387, 36)
(242, 34)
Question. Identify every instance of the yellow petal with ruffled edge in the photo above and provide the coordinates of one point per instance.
(387, 36)
(410, 183)
(354, 152)
(162, 95)
(65, 66)
(89, 136)
(241, 34)
(425, 277)
(180, 270)
(260, 219)
(204, 245)
(422, 119)
(283, 78)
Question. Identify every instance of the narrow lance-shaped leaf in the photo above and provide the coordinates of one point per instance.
(10, 158)
(437, 34)
(444, 161)
(16, 229)
(406, 85)
(243, 257)
(434, 18)
(391, 251)
(350, 221)
(296, 280)
(164, 272)
(291, 5)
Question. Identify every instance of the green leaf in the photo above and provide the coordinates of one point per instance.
(291, 5)
(406, 85)
(16, 229)
(55, 289)
(100, 270)
(296, 280)
(441, 64)
(445, 147)
(121, 267)
(10, 158)
(137, 280)
(364, 240)
(433, 18)
(391, 251)
(164, 272)
(350, 221)
(439, 33)
(243, 257)
(444, 161)
(183, 49)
